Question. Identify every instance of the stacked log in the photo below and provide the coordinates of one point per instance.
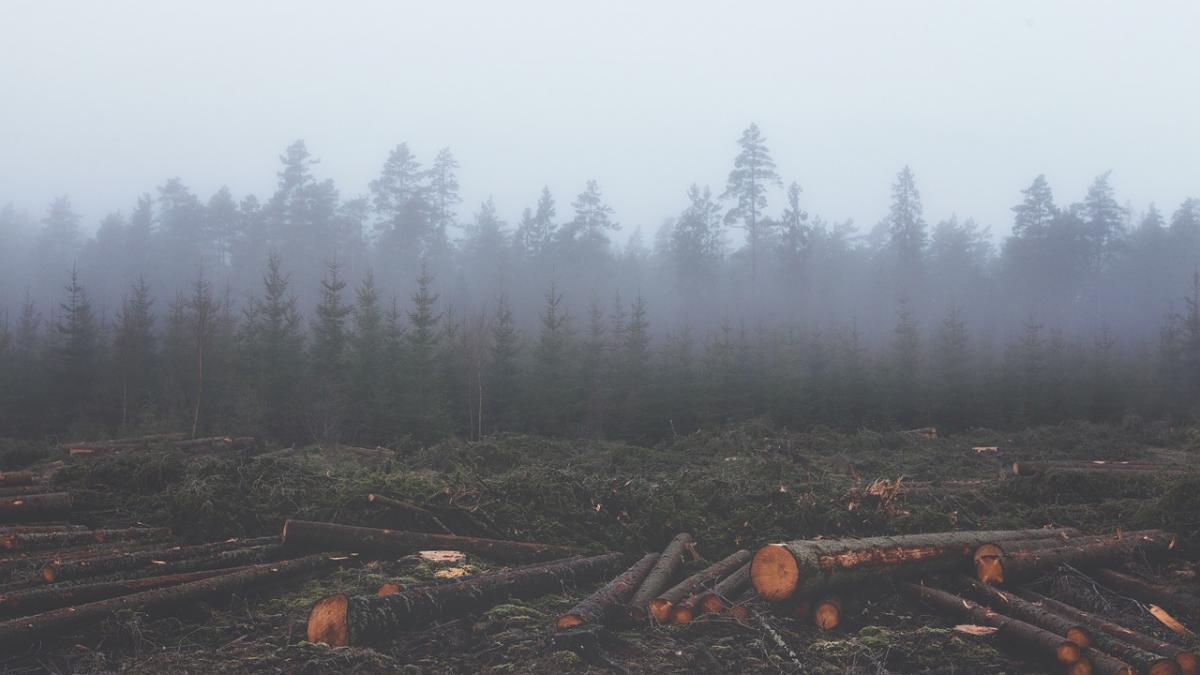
(779, 571)
(35, 507)
(1131, 468)
(724, 593)
(311, 535)
(1030, 612)
(340, 619)
(44, 598)
(604, 603)
(662, 605)
(60, 570)
(1167, 595)
(680, 548)
(1022, 565)
(32, 541)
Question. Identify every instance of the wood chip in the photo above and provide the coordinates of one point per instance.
(1169, 621)
(974, 630)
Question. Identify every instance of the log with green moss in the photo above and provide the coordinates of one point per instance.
(341, 619)
(1023, 565)
(723, 594)
(21, 632)
(33, 541)
(123, 561)
(604, 603)
(678, 551)
(306, 534)
(1030, 638)
(44, 598)
(781, 570)
(1187, 660)
(660, 607)
(26, 508)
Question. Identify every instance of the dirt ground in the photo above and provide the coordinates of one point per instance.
(734, 487)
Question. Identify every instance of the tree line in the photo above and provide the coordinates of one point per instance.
(383, 319)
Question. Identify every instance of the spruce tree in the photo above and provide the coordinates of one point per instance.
(134, 355)
(329, 358)
(78, 361)
(273, 358)
(426, 416)
(504, 384)
(551, 390)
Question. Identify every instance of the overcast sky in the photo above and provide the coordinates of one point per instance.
(105, 100)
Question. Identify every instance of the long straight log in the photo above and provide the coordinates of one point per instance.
(988, 556)
(11, 478)
(26, 490)
(339, 619)
(38, 528)
(1030, 638)
(45, 598)
(129, 440)
(1167, 595)
(1100, 466)
(722, 595)
(781, 570)
(24, 508)
(421, 516)
(331, 536)
(22, 631)
(659, 579)
(59, 570)
(1188, 662)
(41, 540)
(1029, 612)
(604, 603)
(660, 607)
(238, 557)
(1022, 565)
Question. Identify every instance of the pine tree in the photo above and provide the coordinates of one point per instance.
(426, 415)
(795, 244)
(696, 240)
(329, 358)
(752, 175)
(372, 394)
(504, 390)
(906, 229)
(1035, 213)
(587, 233)
(538, 230)
(955, 378)
(78, 361)
(443, 192)
(198, 316)
(273, 357)
(635, 369)
(553, 397)
(134, 354)
(399, 199)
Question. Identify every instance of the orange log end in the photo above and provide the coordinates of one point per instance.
(1188, 663)
(1068, 652)
(988, 566)
(1080, 636)
(388, 589)
(774, 572)
(327, 622)
(1080, 667)
(660, 609)
(827, 616)
(568, 621)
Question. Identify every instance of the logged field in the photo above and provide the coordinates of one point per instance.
(172, 555)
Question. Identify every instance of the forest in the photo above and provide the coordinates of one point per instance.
(389, 319)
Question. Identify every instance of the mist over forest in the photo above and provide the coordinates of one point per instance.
(394, 311)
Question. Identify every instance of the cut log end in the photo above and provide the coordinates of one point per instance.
(327, 621)
(568, 621)
(388, 589)
(774, 572)
(1081, 667)
(1080, 636)
(739, 612)
(49, 574)
(660, 609)
(1188, 663)
(709, 603)
(681, 615)
(988, 568)
(1068, 652)
(827, 615)
(1165, 667)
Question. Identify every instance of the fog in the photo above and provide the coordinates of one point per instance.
(823, 189)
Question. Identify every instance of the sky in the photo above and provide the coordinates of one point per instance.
(106, 100)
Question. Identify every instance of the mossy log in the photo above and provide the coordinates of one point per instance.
(339, 619)
(311, 535)
(1188, 662)
(20, 632)
(779, 571)
(678, 551)
(723, 594)
(660, 606)
(988, 556)
(422, 518)
(45, 598)
(605, 602)
(1029, 638)
(123, 561)
(16, 478)
(1167, 595)
(1029, 612)
(1022, 565)
(33, 541)
(25, 508)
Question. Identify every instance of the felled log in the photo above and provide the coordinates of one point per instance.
(374, 453)
(827, 612)
(331, 536)
(740, 609)
(45, 598)
(780, 570)
(1020, 565)
(604, 603)
(419, 515)
(680, 548)
(129, 440)
(16, 478)
(723, 594)
(33, 541)
(20, 632)
(24, 508)
(1167, 595)
(987, 557)
(59, 570)
(1188, 662)
(1029, 612)
(215, 443)
(1098, 466)
(1030, 638)
(33, 528)
(24, 490)
(339, 619)
(660, 606)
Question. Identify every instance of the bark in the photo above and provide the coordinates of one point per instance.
(1098, 466)
(1029, 612)
(45, 598)
(60, 570)
(423, 518)
(781, 570)
(680, 548)
(11, 478)
(660, 606)
(24, 508)
(42, 540)
(1098, 663)
(741, 609)
(330, 536)
(340, 619)
(20, 632)
(602, 605)
(988, 557)
(1167, 595)
(1185, 658)
(1023, 565)
(1030, 638)
(723, 594)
